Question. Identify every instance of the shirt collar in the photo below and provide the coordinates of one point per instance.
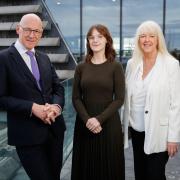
(20, 47)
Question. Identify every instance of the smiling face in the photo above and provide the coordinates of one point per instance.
(97, 41)
(148, 42)
(29, 31)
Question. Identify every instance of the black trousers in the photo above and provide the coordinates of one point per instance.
(147, 167)
(43, 161)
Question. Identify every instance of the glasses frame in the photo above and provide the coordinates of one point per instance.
(28, 31)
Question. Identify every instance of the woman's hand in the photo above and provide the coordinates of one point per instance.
(93, 125)
(172, 148)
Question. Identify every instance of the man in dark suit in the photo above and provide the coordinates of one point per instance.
(33, 97)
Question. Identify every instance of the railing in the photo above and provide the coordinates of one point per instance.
(69, 116)
(57, 27)
(10, 167)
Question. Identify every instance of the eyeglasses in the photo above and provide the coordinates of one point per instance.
(28, 31)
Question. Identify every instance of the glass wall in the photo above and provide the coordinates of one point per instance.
(67, 15)
(172, 27)
(106, 12)
(134, 13)
(76, 16)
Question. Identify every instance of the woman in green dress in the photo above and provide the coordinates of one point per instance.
(98, 93)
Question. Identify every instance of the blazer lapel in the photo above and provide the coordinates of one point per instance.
(157, 74)
(21, 65)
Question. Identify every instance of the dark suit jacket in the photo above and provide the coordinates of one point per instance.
(18, 91)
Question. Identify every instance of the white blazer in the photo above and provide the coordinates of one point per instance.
(162, 108)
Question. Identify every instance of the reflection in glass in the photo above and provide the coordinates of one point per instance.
(173, 27)
(106, 13)
(67, 15)
(134, 13)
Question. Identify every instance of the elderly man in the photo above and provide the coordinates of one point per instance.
(33, 97)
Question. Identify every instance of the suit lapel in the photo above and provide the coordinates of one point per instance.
(21, 65)
(41, 69)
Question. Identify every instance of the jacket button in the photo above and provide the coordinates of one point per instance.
(146, 112)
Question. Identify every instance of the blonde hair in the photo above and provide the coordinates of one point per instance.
(152, 28)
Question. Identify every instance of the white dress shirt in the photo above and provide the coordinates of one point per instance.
(22, 51)
(138, 99)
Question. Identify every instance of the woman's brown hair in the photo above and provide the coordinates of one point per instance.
(109, 50)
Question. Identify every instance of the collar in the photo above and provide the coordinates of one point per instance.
(20, 47)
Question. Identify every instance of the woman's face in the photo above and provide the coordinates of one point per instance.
(97, 41)
(148, 42)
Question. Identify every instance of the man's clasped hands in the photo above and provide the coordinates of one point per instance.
(47, 113)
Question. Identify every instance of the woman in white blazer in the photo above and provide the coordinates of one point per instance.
(152, 103)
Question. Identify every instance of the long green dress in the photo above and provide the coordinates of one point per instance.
(98, 91)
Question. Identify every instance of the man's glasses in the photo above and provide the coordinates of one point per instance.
(28, 31)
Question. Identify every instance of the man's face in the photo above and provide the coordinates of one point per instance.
(30, 32)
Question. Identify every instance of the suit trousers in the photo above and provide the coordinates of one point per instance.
(43, 161)
(147, 166)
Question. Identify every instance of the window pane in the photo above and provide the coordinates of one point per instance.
(104, 12)
(173, 26)
(134, 13)
(67, 16)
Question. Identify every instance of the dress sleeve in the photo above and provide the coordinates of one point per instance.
(77, 96)
(119, 92)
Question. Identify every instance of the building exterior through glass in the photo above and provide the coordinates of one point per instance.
(122, 17)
